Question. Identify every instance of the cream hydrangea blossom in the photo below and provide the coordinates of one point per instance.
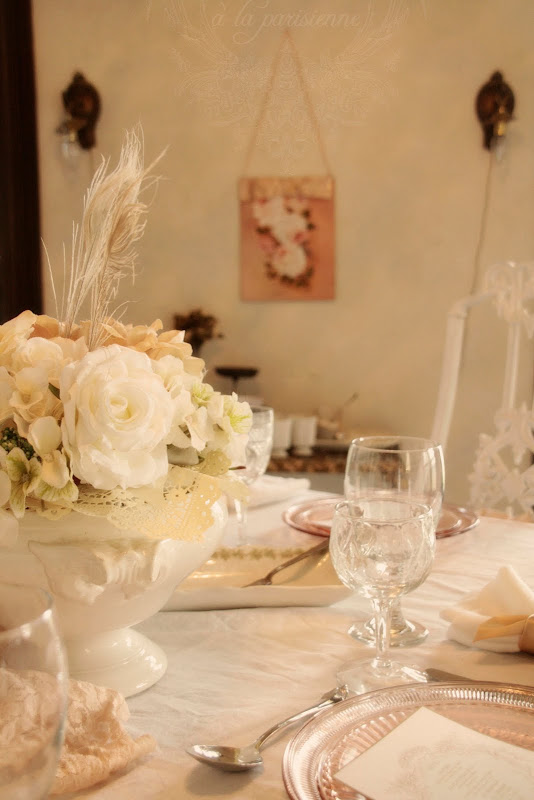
(231, 428)
(32, 397)
(13, 333)
(5, 481)
(56, 483)
(38, 352)
(7, 386)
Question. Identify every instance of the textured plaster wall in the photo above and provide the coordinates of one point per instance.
(393, 85)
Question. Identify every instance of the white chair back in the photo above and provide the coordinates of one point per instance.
(503, 471)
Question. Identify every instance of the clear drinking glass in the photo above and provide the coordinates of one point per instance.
(381, 548)
(33, 693)
(258, 453)
(407, 466)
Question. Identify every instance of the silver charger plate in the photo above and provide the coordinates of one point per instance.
(334, 738)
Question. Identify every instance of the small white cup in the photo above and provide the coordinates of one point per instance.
(304, 435)
(283, 427)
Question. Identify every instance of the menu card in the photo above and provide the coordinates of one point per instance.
(430, 757)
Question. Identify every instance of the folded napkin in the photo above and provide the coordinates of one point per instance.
(500, 617)
(95, 746)
(272, 489)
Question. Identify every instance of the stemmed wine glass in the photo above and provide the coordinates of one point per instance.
(381, 547)
(258, 453)
(407, 466)
(33, 692)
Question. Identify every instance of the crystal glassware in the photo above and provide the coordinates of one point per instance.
(381, 548)
(258, 453)
(33, 692)
(407, 466)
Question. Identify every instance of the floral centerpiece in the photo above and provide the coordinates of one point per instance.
(114, 451)
(103, 417)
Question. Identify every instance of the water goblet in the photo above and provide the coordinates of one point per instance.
(257, 455)
(407, 466)
(381, 548)
(33, 692)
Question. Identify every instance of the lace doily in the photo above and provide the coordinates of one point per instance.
(180, 510)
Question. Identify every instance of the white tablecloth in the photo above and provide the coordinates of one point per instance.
(232, 673)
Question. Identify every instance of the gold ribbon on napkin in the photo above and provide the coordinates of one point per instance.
(509, 625)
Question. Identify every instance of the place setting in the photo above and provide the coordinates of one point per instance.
(432, 727)
(431, 735)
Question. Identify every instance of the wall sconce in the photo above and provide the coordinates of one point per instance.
(82, 105)
(494, 106)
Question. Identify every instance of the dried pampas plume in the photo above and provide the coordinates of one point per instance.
(103, 244)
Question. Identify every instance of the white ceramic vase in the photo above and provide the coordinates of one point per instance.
(104, 581)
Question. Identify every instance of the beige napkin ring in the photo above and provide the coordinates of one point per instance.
(509, 625)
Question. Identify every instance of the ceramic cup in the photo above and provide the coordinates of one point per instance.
(283, 427)
(304, 435)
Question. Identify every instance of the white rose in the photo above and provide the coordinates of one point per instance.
(118, 418)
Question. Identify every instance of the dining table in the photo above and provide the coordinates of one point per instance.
(240, 659)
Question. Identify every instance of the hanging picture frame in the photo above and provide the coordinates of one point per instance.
(287, 238)
(287, 223)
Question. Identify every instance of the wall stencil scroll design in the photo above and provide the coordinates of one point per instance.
(219, 63)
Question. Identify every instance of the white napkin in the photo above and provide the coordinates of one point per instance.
(273, 489)
(506, 594)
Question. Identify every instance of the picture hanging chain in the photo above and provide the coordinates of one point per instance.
(286, 38)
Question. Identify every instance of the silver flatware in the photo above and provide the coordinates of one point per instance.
(442, 675)
(238, 759)
(267, 580)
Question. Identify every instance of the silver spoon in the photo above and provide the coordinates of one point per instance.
(237, 759)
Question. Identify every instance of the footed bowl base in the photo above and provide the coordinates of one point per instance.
(123, 659)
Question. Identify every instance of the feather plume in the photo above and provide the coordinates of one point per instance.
(103, 245)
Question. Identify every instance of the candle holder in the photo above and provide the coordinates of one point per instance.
(236, 373)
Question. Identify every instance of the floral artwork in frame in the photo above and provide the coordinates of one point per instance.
(287, 238)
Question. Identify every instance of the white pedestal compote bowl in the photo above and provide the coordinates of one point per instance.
(104, 581)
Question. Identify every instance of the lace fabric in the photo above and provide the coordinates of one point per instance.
(180, 510)
(96, 743)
